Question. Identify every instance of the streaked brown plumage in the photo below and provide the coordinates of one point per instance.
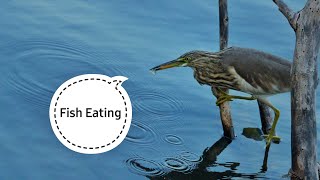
(267, 74)
(247, 70)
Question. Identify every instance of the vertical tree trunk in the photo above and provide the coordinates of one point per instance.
(303, 96)
(225, 113)
(304, 80)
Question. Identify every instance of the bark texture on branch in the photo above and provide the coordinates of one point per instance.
(265, 116)
(304, 79)
(223, 24)
(225, 113)
(287, 12)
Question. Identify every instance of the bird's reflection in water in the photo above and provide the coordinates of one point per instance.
(201, 169)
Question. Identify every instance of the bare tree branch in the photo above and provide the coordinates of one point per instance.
(287, 12)
(225, 112)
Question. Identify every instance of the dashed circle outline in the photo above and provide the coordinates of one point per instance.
(83, 80)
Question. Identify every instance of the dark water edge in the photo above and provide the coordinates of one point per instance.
(176, 131)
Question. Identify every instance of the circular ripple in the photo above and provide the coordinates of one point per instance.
(148, 152)
(141, 133)
(157, 104)
(177, 165)
(189, 156)
(50, 49)
(30, 69)
(144, 167)
(35, 68)
(173, 139)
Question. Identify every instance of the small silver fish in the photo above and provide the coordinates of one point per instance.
(153, 71)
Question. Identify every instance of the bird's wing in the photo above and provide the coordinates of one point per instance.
(259, 69)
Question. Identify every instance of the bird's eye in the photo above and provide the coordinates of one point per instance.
(188, 58)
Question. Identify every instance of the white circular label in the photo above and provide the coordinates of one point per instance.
(91, 113)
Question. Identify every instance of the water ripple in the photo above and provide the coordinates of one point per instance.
(158, 104)
(141, 133)
(189, 156)
(33, 69)
(176, 164)
(29, 69)
(49, 48)
(148, 152)
(173, 139)
(144, 167)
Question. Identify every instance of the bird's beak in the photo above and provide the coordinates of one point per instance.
(170, 64)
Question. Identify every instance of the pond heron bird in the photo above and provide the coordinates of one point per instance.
(242, 69)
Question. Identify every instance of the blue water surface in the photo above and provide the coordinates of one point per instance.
(175, 121)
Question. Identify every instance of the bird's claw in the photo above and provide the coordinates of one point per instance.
(223, 99)
(270, 137)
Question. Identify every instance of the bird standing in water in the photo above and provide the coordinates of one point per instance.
(247, 70)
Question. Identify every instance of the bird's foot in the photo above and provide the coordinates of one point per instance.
(271, 137)
(223, 98)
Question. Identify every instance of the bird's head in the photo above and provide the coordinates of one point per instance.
(182, 61)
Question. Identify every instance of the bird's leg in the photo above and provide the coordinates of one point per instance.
(273, 127)
(226, 97)
(274, 123)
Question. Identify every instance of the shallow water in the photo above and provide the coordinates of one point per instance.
(176, 131)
